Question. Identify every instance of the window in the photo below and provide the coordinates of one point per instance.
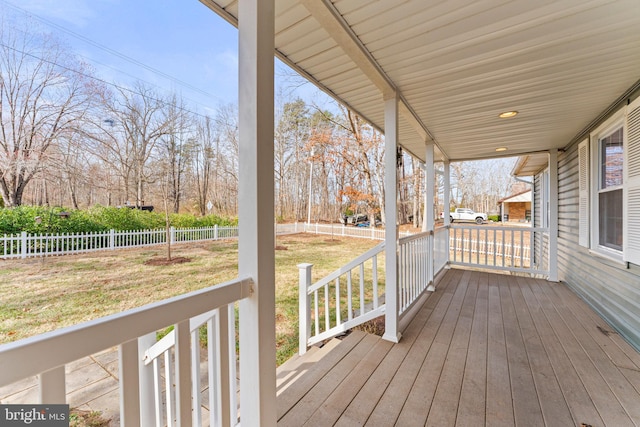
(611, 168)
(609, 187)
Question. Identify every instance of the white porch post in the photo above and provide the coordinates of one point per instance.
(445, 200)
(429, 216)
(391, 330)
(446, 196)
(553, 215)
(255, 207)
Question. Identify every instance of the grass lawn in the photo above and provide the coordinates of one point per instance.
(40, 295)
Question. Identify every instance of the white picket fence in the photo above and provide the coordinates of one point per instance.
(26, 245)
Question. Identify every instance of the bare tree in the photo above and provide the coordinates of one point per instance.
(291, 132)
(175, 148)
(204, 156)
(44, 94)
(226, 175)
(135, 122)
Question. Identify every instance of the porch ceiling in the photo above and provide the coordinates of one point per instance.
(458, 64)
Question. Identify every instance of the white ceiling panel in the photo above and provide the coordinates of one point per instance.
(458, 64)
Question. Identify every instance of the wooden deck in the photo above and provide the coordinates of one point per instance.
(486, 349)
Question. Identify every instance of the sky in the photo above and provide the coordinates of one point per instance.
(179, 38)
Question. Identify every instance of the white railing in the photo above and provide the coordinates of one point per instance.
(335, 304)
(219, 327)
(497, 248)
(26, 245)
(440, 248)
(415, 269)
(46, 356)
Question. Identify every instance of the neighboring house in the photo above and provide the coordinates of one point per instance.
(516, 207)
(598, 181)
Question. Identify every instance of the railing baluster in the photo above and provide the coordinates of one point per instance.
(374, 280)
(157, 392)
(327, 299)
(338, 314)
(214, 371)
(362, 303)
(183, 372)
(129, 386)
(349, 297)
(52, 386)
(316, 311)
(196, 399)
(513, 258)
(169, 388)
(233, 357)
(304, 306)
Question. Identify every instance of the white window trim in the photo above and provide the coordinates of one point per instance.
(609, 126)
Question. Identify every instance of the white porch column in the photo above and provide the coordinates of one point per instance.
(429, 180)
(391, 330)
(553, 215)
(446, 197)
(445, 200)
(429, 216)
(255, 207)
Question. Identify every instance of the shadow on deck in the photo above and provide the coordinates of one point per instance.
(486, 349)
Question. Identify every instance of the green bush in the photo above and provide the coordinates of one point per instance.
(44, 220)
(187, 220)
(494, 218)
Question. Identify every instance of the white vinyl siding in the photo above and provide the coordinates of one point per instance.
(632, 187)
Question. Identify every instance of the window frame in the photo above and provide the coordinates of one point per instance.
(608, 128)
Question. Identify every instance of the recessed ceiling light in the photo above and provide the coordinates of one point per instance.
(501, 149)
(507, 114)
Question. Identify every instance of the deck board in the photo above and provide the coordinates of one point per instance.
(485, 349)
(471, 411)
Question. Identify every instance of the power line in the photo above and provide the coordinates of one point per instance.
(111, 51)
(97, 78)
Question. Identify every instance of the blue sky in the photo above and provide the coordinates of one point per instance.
(181, 38)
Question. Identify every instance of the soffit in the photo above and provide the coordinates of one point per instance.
(458, 64)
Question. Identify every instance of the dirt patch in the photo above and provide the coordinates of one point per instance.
(281, 248)
(79, 418)
(333, 241)
(164, 261)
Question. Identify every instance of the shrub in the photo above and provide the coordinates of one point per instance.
(186, 220)
(45, 220)
(494, 218)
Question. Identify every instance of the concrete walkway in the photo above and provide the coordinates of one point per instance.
(92, 385)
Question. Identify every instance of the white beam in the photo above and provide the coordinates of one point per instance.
(255, 205)
(553, 215)
(335, 25)
(391, 329)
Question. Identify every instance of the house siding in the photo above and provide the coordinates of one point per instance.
(609, 287)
